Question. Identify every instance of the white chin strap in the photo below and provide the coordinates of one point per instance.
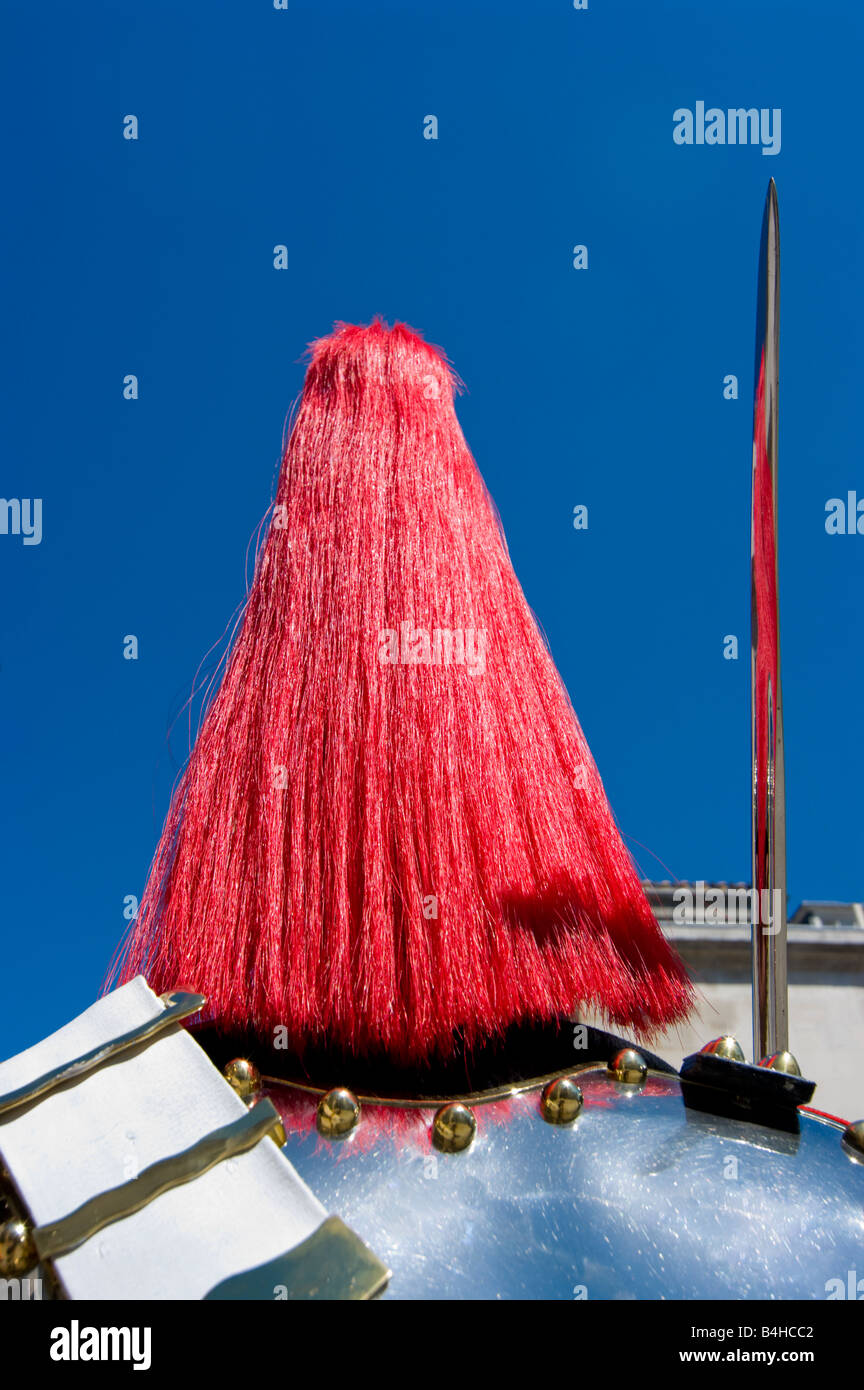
(80, 1144)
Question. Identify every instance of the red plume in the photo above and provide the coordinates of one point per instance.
(391, 832)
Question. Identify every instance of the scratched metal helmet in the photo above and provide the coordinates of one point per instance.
(595, 1171)
(555, 1163)
(600, 1173)
(603, 1173)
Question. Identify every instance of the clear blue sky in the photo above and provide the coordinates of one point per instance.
(601, 387)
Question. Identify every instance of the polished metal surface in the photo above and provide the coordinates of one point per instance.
(17, 1251)
(770, 995)
(853, 1139)
(332, 1264)
(628, 1066)
(338, 1113)
(727, 1047)
(453, 1128)
(640, 1198)
(243, 1077)
(561, 1101)
(277, 1131)
(782, 1061)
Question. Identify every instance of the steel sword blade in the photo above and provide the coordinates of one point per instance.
(770, 997)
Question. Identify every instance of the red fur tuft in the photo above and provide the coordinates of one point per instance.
(391, 830)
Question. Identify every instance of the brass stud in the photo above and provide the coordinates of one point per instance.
(727, 1047)
(628, 1066)
(561, 1101)
(853, 1140)
(17, 1251)
(338, 1113)
(453, 1128)
(243, 1077)
(782, 1061)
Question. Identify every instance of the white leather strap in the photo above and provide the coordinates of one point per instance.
(103, 1129)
